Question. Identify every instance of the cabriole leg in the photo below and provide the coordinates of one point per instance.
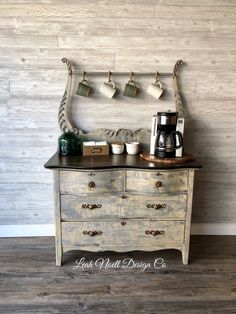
(185, 255)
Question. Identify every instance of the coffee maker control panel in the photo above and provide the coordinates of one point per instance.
(180, 128)
(153, 134)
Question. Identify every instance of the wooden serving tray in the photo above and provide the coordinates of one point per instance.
(175, 160)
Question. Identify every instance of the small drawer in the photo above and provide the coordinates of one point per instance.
(154, 206)
(156, 181)
(122, 233)
(74, 208)
(75, 182)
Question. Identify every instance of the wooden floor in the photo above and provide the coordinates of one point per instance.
(31, 283)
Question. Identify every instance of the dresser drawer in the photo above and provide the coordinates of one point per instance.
(122, 233)
(75, 208)
(162, 206)
(156, 181)
(75, 182)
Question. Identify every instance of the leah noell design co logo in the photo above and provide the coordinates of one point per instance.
(126, 263)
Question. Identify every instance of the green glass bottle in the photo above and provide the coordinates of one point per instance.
(69, 144)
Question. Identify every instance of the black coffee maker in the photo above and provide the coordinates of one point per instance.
(166, 143)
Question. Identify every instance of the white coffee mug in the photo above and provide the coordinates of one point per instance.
(108, 89)
(155, 89)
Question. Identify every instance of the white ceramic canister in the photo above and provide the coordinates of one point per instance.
(117, 148)
(132, 148)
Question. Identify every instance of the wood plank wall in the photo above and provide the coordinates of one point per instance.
(115, 35)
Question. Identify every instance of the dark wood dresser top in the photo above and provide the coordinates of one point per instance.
(112, 161)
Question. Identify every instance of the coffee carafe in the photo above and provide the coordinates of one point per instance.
(166, 135)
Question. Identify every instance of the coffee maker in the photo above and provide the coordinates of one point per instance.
(165, 140)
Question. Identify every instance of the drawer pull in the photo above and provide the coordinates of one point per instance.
(123, 197)
(156, 206)
(91, 206)
(154, 232)
(158, 174)
(92, 233)
(91, 184)
(123, 223)
(158, 184)
(91, 174)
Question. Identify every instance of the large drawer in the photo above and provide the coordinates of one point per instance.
(120, 233)
(156, 181)
(155, 206)
(75, 208)
(75, 182)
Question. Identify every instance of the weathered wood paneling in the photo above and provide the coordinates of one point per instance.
(111, 35)
(148, 42)
(49, 58)
(77, 10)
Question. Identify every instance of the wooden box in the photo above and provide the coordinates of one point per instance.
(95, 150)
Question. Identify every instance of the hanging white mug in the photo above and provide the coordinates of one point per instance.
(155, 89)
(108, 88)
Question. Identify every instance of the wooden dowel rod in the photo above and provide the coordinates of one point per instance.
(122, 73)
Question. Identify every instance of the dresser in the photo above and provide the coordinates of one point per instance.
(121, 203)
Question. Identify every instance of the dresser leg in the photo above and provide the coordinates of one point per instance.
(58, 256)
(185, 255)
(58, 260)
(58, 245)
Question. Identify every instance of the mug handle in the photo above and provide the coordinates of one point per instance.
(84, 81)
(111, 83)
(180, 139)
(131, 81)
(157, 83)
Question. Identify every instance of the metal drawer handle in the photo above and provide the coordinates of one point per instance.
(158, 184)
(123, 223)
(96, 150)
(156, 206)
(91, 174)
(154, 232)
(91, 184)
(92, 233)
(91, 206)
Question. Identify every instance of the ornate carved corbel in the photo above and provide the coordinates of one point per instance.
(63, 119)
(177, 96)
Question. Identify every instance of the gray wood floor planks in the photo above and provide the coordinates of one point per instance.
(31, 283)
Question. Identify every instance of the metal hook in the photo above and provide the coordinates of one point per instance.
(131, 77)
(109, 76)
(84, 75)
(157, 76)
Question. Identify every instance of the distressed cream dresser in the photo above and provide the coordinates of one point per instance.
(121, 203)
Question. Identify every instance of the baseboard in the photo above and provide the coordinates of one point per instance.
(213, 228)
(49, 230)
(27, 230)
